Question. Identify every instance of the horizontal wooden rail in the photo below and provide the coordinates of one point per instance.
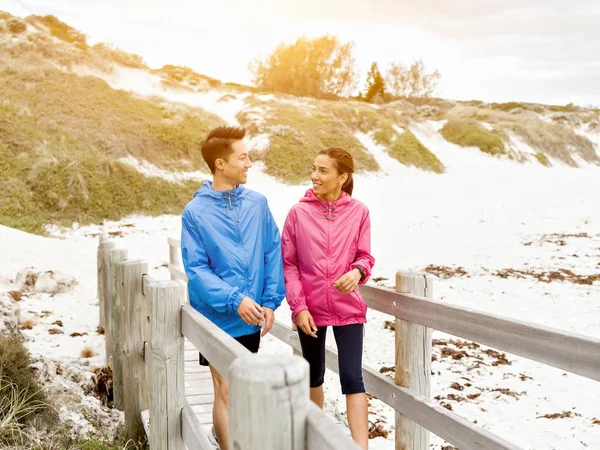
(568, 351)
(178, 274)
(215, 345)
(222, 350)
(193, 435)
(437, 419)
(322, 432)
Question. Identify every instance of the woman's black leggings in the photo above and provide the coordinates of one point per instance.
(349, 340)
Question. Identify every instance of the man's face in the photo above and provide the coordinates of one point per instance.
(235, 167)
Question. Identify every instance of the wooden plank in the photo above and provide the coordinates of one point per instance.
(134, 325)
(177, 274)
(147, 280)
(166, 365)
(193, 389)
(103, 278)
(193, 435)
(268, 389)
(323, 433)
(115, 258)
(201, 408)
(204, 399)
(174, 256)
(204, 418)
(568, 351)
(412, 361)
(197, 369)
(216, 345)
(437, 419)
(174, 242)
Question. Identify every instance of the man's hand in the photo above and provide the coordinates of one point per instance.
(348, 282)
(305, 322)
(269, 316)
(250, 312)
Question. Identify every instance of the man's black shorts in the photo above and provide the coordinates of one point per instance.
(250, 341)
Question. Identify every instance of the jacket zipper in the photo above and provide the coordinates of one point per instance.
(327, 292)
(239, 233)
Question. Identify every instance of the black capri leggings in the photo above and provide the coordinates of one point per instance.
(349, 340)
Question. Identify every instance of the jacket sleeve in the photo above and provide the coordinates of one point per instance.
(273, 284)
(363, 256)
(291, 269)
(204, 285)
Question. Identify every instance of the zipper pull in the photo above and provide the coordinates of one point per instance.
(230, 205)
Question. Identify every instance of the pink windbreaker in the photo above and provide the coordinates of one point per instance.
(321, 241)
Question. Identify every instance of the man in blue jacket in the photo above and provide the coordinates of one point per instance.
(231, 252)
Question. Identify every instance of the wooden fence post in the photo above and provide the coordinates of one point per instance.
(268, 389)
(166, 367)
(132, 335)
(103, 248)
(174, 257)
(114, 343)
(413, 361)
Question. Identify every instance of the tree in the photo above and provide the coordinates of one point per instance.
(412, 81)
(321, 68)
(375, 85)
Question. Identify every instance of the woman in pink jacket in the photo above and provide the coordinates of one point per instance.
(326, 246)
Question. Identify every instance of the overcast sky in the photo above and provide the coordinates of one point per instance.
(529, 50)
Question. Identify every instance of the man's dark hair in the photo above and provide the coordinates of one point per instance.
(218, 144)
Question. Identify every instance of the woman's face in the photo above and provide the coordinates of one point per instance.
(325, 177)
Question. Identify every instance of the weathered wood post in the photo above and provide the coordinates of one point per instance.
(413, 361)
(165, 359)
(114, 345)
(102, 255)
(268, 389)
(102, 238)
(174, 255)
(132, 334)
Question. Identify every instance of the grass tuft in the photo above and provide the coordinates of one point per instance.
(468, 133)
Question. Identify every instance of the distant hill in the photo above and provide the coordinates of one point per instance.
(78, 123)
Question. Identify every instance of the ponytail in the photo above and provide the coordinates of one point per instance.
(348, 186)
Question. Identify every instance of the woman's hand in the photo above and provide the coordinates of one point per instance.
(348, 282)
(305, 322)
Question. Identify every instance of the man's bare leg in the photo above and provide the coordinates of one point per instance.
(221, 408)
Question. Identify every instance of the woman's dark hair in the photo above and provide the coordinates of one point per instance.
(344, 163)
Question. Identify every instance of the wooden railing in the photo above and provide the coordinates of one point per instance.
(416, 314)
(146, 328)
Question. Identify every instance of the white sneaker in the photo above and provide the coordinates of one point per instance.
(212, 437)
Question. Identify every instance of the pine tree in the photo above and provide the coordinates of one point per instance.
(375, 84)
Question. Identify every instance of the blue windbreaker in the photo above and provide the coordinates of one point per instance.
(231, 248)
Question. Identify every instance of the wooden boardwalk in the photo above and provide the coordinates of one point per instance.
(198, 387)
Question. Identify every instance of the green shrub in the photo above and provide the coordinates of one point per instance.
(61, 30)
(411, 152)
(15, 367)
(468, 133)
(509, 106)
(553, 139)
(543, 159)
(66, 185)
(15, 26)
(21, 398)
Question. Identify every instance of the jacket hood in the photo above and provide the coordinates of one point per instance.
(206, 190)
(310, 196)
